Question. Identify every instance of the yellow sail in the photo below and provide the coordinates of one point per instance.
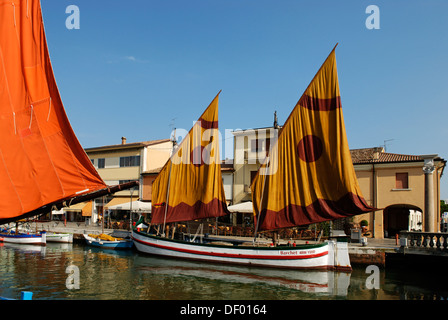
(310, 176)
(190, 185)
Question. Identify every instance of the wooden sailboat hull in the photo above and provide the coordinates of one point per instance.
(327, 255)
(35, 239)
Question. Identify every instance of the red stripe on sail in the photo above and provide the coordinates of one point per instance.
(319, 211)
(205, 124)
(185, 212)
(317, 104)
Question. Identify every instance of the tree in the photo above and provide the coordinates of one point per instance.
(443, 206)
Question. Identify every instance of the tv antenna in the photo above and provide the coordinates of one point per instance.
(385, 144)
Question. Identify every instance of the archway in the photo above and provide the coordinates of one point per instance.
(400, 217)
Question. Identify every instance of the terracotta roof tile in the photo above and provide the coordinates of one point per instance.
(377, 155)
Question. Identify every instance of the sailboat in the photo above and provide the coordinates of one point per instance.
(42, 164)
(307, 178)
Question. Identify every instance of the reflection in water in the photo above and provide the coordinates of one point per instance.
(111, 274)
(311, 282)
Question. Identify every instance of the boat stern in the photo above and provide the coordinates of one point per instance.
(338, 255)
(44, 238)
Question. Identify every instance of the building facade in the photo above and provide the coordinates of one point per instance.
(403, 190)
(125, 162)
(250, 149)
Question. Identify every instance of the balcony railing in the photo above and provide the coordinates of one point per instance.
(428, 240)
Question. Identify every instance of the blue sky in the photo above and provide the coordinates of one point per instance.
(137, 68)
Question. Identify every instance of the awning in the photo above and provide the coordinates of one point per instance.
(116, 201)
(76, 207)
(84, 207)
(56, 212)
(87, 209)
(244, 207)
(137, 206)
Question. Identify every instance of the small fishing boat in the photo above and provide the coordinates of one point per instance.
(24, 238)
(59, 237)
(107, 242)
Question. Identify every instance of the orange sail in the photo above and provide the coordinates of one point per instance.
(41, 160)
(310, 176)
(190, 185)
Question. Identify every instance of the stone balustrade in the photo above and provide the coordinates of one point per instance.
(428, 240)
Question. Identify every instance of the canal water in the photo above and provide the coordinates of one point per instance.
(79, 272)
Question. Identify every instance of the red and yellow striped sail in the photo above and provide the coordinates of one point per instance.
(310, 177)
(190, 186)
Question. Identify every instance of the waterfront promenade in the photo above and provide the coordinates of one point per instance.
(81, 227)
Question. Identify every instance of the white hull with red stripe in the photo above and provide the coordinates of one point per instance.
(330, 255)
(24, 238)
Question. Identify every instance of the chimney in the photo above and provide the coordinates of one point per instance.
(123, 140)
(376, 153)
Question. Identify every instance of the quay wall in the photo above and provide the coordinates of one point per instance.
(368, 256)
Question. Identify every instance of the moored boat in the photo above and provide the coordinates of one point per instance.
(24, 238)
(330, 255)
(59, 237)
(107, 242)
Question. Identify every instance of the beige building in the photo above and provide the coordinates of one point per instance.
(406, 196)
(250, 149)
(125, 162)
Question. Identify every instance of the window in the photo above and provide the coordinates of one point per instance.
(101, 163)
(254, 145)
(131, 161)
(258, 145)
(401, 180)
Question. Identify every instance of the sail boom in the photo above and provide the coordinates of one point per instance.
(62, 203)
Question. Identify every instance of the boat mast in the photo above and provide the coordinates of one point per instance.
(264, 180)
(261, 199)
(173, 140)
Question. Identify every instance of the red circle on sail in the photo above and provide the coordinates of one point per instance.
(197, 156)
(310, 148)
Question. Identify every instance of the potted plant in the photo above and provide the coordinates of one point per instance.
(364, 224)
